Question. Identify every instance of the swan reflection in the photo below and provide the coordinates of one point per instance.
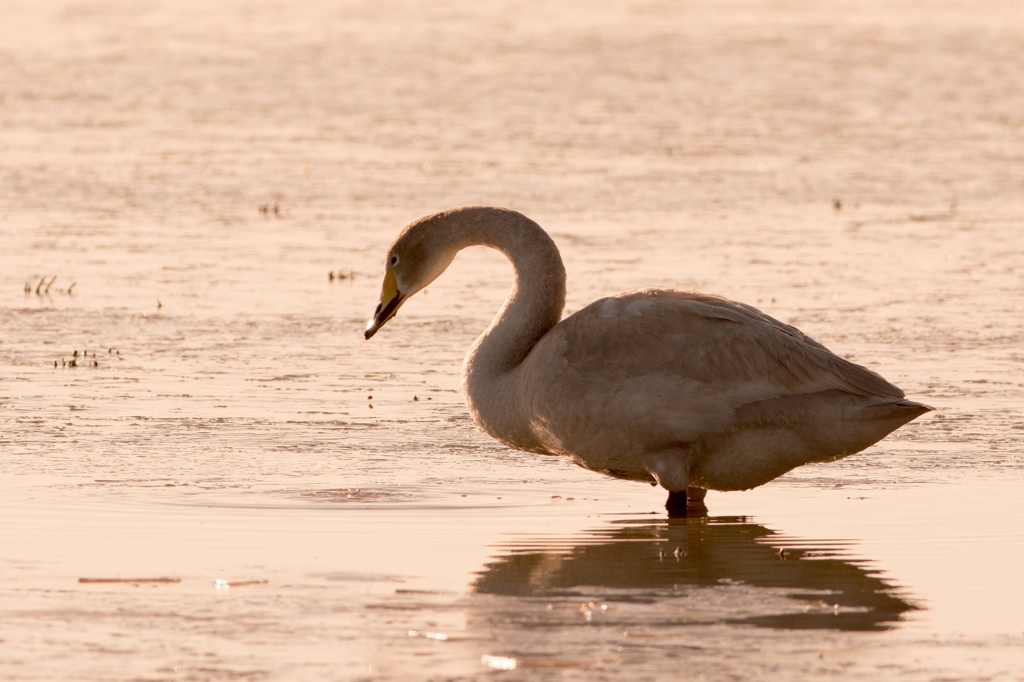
(700, 571)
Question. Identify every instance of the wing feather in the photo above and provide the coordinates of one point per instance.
(659, 366)
(710, 340)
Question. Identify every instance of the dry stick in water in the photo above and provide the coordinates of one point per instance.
(239, 583)
(129, 580)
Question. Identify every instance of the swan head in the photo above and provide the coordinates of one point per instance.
(416, 258)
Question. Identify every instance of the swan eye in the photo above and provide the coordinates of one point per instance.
(394, 259)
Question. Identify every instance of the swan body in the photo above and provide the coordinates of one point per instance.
(687, 391)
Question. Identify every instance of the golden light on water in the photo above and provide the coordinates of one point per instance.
(196, 201)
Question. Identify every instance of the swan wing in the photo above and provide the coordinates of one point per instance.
(710, 340)
(660, 365)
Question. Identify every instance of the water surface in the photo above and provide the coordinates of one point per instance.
(191, 397)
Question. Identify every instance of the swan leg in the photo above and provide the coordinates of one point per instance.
(676, 500)
(696, 495)
(683, 503)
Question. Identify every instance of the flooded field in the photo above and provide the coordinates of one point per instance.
(195, 201)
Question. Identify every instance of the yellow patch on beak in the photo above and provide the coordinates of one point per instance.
(391, 300)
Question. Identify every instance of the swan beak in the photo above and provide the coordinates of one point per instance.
(391, 300)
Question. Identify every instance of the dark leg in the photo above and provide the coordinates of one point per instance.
(695, 496)
(676, 500)
(679, 502)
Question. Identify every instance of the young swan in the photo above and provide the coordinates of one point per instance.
(688, 391)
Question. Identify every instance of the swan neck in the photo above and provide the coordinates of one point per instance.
(535, 302)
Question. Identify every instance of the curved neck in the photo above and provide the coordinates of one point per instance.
(535, 303)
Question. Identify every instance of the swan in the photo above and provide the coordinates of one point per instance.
(689, 391)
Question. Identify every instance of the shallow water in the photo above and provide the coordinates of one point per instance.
(221, 425)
